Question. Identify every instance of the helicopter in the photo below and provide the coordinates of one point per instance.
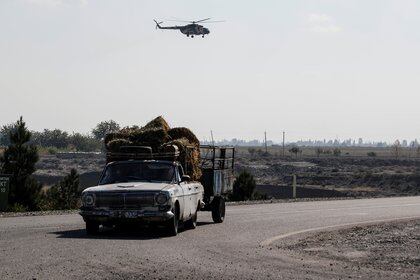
(190, 29)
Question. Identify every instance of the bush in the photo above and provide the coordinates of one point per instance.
(16, 207)
(295, 150)
(244, 186)
(337, 152)
(371, 154)
(63, 195)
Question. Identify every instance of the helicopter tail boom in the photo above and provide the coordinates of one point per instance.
(158, 25)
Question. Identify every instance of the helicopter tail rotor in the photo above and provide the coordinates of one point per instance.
(158, 24)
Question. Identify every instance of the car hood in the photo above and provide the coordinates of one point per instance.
(134, 186)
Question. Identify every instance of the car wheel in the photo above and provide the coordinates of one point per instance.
(218, 210)
(172, 226)
(92, 228)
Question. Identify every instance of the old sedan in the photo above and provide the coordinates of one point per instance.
(143, 191)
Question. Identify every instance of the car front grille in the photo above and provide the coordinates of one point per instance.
(124, 200)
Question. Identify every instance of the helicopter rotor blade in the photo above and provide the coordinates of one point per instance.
(201, 20)
(195, 21)
(215, 21)
(187, 21)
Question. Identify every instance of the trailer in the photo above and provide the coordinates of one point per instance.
(217, 166)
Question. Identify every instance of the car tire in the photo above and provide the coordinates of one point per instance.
(92, 228)
(218, 210)
(172, 224)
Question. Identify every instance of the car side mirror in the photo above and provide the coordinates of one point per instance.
(185, 178)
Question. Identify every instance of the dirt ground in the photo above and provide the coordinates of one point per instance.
(393, 247)
(316, 177)
(350, 176)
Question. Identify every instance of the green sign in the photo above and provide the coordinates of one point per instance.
(4, 191)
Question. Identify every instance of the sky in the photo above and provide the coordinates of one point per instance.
(316, 69)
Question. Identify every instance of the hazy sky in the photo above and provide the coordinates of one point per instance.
(317, 69)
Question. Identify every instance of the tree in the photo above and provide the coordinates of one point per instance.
(396, 149)
(319, 151)
(4, 134)
(244, 186)
(19, 160)
(84, 143)
(295, 150)
(51, 138)
(103, 128)
(65, 194)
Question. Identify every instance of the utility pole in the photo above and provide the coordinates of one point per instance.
(212, 139)
(265, 141)
(283, 142)
(294, 186)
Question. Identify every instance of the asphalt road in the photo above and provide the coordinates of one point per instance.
(243, 247)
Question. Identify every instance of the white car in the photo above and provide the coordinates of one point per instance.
(143, 191)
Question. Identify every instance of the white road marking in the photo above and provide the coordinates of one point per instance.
(327, 209)
(278, 237)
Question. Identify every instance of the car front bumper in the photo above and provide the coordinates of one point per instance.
(105, 215)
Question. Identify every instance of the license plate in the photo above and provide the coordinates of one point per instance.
(130, 214)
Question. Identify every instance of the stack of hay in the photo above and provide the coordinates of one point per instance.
(159, 136)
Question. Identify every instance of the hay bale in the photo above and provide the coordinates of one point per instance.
(115, 144)
(129, 129)
(183, 132)
(160, 137)
(149, 137)
(157, 123)
(189, 157)
(115, 135)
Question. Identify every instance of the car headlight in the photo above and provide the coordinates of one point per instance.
(88, 199)
(161, 198)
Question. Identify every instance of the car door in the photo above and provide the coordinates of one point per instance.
(187, 190)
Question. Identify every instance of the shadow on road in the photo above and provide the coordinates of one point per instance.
(125, 233)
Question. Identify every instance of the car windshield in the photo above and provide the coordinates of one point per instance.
(138, 172)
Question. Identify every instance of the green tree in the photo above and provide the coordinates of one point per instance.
(4, 134)
(103, 128)
(244, 186)
(51, 138)
(84, 143)
(19, 160)
(65, 194)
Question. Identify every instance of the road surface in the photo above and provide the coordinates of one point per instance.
(243, 247)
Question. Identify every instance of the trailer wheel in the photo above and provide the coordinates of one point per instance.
(92, 227)
(218, 209)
